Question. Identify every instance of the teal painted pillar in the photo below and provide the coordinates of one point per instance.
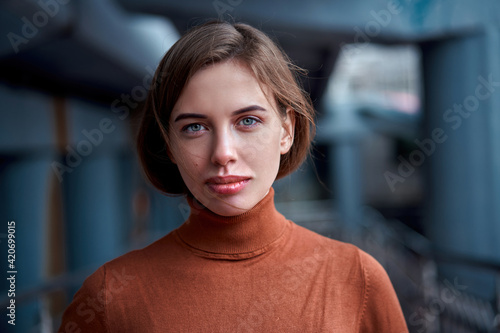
(462, 92)
(95, 221)
(345, 167)
(24, 187)
(96, 186)
(344, 132)
(493, 51)
(26, 144)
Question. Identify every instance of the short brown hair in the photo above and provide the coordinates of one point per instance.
(211, 43)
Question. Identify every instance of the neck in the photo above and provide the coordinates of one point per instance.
(244, 235)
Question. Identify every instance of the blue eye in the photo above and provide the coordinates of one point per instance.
(193, 128)
(248, 121)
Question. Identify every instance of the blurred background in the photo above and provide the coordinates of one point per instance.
(406, 161)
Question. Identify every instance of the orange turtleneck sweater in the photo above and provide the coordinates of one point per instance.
(256, 272)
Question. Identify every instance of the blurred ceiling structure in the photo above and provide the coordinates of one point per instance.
(99, 48)
(91, 49)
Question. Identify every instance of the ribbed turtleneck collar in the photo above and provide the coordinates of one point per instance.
(233, 237)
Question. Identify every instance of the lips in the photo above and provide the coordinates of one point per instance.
(227, 185)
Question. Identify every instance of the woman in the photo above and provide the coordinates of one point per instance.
(224, 119)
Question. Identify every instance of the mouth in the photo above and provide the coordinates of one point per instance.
(227, 185)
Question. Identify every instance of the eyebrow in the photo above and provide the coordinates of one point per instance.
(234, 113)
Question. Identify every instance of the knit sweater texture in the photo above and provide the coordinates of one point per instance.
(255, 272)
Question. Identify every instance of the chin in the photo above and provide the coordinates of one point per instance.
(231, 205)
(227, 207)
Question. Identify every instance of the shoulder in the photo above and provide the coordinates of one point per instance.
(374, 274)
(359, 275)
(126, 268)
(381, 309)
(346, 256)
(337, 250)
(159, 250)
(323, 246)
(93, 305)
(339, 260)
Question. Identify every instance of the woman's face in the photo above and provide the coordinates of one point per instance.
(226, 138)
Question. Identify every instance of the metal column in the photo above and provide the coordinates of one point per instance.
(462, 90)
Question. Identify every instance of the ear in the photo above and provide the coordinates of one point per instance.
(287, 131)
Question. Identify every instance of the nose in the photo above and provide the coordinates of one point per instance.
(224, 149)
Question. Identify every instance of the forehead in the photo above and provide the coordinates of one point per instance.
(223, 86)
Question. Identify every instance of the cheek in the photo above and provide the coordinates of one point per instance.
(188, 163)
(190, 174)
(263, 148)
(187, 160)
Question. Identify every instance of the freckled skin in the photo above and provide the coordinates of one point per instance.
(220, 143)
